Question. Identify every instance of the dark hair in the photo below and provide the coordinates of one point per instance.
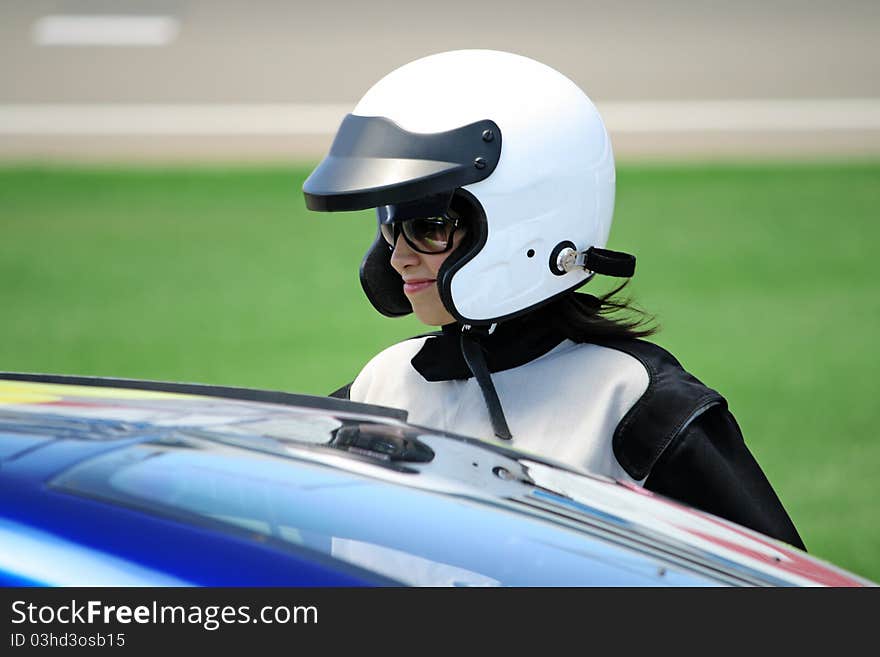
(583, 317)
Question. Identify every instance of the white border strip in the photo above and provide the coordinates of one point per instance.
(838, 115)
(110, 119)
(104, 30)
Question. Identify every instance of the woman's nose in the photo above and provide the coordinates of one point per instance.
(403, 255)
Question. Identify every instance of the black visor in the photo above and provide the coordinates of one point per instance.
(374, 162)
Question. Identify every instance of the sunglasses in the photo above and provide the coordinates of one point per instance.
(423, 234)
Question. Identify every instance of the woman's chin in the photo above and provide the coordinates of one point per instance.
(432, 316)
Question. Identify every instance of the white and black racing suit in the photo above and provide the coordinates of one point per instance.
(621, 408)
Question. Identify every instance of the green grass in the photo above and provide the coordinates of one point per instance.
(762, 279)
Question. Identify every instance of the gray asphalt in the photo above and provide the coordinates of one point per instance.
(266, 51)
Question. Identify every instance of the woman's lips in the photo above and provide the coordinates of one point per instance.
(417, 285)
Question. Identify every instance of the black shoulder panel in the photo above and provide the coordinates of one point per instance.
(674, 398)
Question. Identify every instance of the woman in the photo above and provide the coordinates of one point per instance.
(493, 180)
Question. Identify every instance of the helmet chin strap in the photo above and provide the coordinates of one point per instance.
(473, 354)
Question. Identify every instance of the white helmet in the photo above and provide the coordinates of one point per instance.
(517, 140)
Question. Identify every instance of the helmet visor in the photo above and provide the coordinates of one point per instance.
(374, 162)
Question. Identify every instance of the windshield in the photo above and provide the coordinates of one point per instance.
(412, 535)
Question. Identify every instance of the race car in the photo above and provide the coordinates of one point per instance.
(117, 482)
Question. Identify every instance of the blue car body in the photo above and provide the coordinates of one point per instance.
(120, 483)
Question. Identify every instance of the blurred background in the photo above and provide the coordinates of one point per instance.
(152, 155)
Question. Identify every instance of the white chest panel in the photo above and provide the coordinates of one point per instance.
(564, 405)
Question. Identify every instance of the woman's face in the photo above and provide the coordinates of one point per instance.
(419, 274)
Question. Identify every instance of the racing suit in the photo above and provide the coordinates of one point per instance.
(621, 408)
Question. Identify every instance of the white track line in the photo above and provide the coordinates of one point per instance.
(104, 30)
(855, 114)
(743, 115)
(112, 119)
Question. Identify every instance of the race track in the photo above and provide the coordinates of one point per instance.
(270, 79)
